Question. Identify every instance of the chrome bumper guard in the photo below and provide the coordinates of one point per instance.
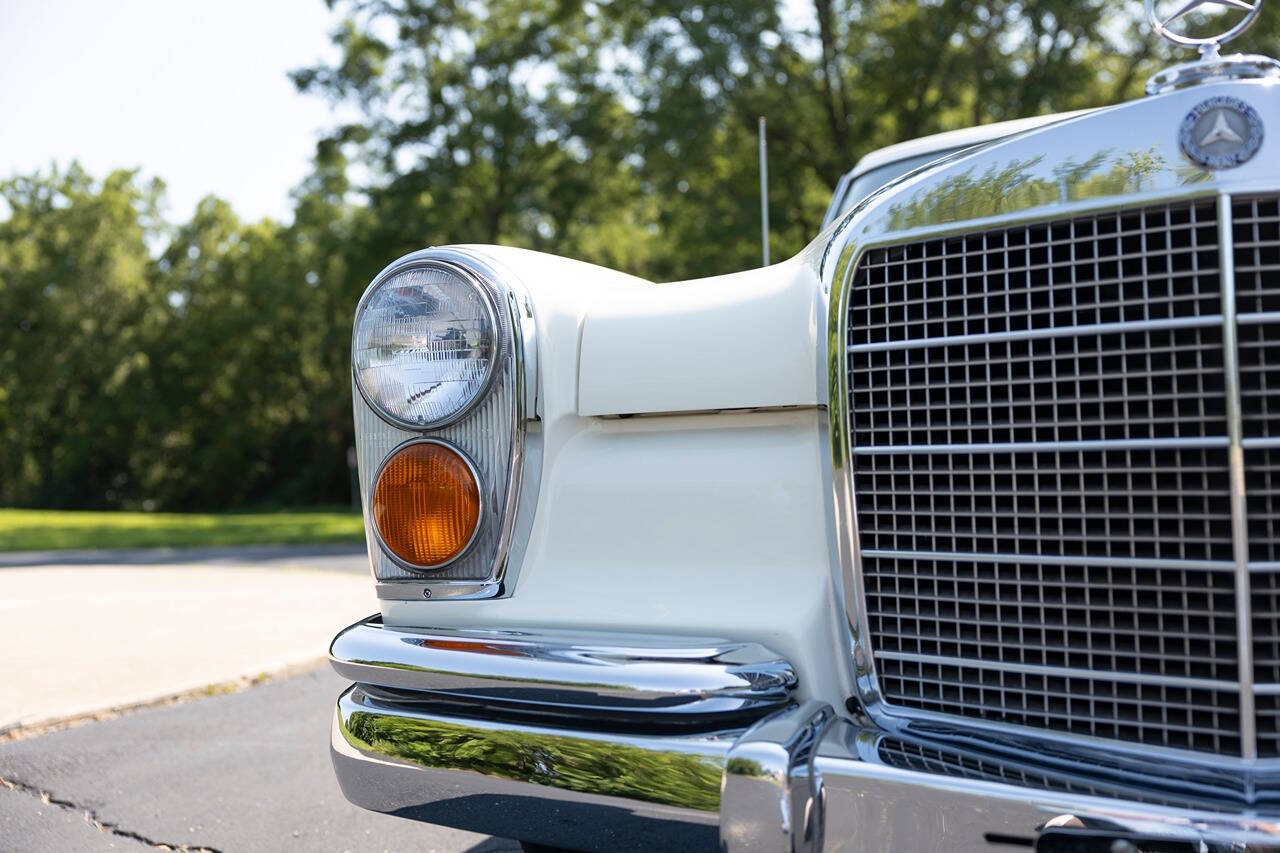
(669, 743)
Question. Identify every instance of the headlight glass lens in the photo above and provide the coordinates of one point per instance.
(425, 345)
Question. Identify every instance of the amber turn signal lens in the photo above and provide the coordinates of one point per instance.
(426, 504)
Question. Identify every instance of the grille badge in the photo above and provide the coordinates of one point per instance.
(1221, 133)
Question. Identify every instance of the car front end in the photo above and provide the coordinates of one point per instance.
(960, 530)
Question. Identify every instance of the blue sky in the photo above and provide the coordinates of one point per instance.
(191, 91)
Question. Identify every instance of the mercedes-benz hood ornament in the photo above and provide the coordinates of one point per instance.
(1169, 19)
(1164, 21)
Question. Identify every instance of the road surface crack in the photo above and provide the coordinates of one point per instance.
(91, 817)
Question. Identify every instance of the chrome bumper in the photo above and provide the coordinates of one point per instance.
(648, 743)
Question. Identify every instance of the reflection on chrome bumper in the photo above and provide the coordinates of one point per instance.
(671, 681)
(594, 743)
(566, 788)
(568, 739)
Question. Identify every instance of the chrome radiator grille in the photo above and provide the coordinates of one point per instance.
(1141, 784)
(1040, 421)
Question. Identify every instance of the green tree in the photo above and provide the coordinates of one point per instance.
(479, 121)
(206, 366)
(624, 132)
(79, 313)
(234, 370)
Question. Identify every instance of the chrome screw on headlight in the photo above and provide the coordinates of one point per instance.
(425, 344)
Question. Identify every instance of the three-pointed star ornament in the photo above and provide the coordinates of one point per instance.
(1221, 132)
(1192, 5)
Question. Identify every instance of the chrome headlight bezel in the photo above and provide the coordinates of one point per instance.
(493, 432)
(490, 298)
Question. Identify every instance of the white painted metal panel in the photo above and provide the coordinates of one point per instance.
(741, 341)
(710, 525)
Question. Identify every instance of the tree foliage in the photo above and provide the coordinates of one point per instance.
(205, 364)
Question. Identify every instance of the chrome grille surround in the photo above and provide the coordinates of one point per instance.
(1050, 527)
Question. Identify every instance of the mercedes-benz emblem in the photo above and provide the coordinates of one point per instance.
(1163, 20)
(1221, 133)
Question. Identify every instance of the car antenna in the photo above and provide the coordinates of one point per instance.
(764, 193)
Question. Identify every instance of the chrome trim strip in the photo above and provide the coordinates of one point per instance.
(1266, 690)
(1265, 566)
(882, 234)
(844, 502)
(1146, 779)
(1257, 318)
(913, 722)
(524, 356)
(416, 590)
(1235, 459)
(1035, 334)
(1033, 559)
(1023, 446)
(1065, 671)
(1214, 69)
(870, 805)
(1260, 443)
(771, 799)
(630, 675)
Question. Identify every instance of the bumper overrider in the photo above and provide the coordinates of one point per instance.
(629, 742)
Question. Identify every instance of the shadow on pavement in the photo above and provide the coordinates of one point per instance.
(565, 824)
(495, 845)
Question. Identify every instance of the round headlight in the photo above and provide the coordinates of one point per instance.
(425, 345)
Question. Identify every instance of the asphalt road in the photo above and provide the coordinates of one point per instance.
(246, 771)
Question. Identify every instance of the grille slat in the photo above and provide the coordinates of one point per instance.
(1260, 379)
(1125, 266)
(1038, 427)
(1177, 717)
(1138, 384)
(1262, 494)
(1159, 622)
(1132, 503)
(1256, 232)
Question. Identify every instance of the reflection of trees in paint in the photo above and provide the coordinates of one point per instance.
(1025, 185)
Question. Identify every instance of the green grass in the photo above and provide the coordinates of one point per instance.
(41, 530)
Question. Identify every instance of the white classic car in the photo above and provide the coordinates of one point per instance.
(960, 530)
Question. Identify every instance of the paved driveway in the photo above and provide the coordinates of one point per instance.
(244, 771)
(247, 770)
(120, 628)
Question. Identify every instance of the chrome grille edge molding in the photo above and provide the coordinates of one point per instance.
(1235, 458)
(1233, 441)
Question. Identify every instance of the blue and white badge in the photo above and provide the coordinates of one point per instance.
(1221, 133)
